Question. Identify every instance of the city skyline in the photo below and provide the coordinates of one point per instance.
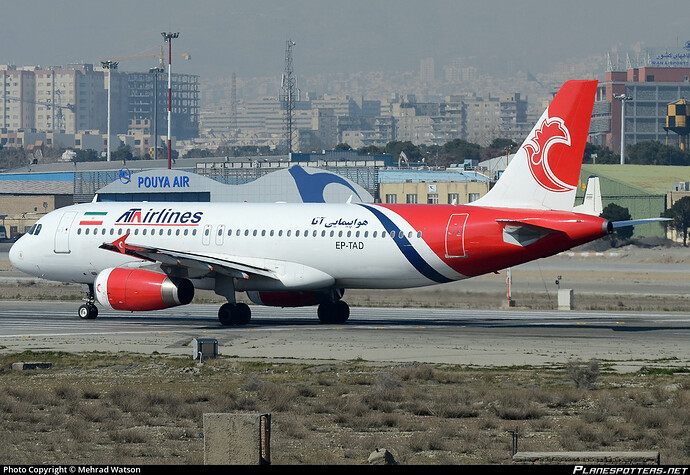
(225, 37)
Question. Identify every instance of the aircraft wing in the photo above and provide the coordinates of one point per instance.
(201, 263)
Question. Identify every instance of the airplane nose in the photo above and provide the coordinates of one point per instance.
(18, 257)
(15, 255)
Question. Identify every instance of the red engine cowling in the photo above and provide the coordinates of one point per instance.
(138, 290)
(285, 299)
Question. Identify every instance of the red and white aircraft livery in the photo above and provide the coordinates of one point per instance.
(148, 256)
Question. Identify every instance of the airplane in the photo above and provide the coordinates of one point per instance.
(140, 256)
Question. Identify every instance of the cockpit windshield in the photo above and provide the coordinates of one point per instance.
(35, 229)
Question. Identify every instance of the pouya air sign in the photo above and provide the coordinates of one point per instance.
(163, 181)
(160, 217)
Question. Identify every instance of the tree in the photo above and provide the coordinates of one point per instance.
(680, 214)
(343, 146)
(604, 155)
(655, 153)
(614, 212)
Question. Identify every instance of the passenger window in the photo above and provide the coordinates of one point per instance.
(332, 233)
(366, 234)
(86, 231)
(263, 232)
(374, 234)
(280, 232)
(186, 231)
(297, 233)
(194, 232)
(349, 233)
(78, 231)
(323, 233)
(143, 232)
(288, 233)
(419, 234)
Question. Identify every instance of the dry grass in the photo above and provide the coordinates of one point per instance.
(129, 409)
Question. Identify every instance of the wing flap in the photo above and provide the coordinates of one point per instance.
(204, 263)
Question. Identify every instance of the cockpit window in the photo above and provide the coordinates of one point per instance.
(35, 229)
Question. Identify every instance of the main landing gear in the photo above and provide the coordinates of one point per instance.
(88, 311)
(334, 312)
(234, 314)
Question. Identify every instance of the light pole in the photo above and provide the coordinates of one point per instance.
(109, 65)
(169, 37)
(155, 72)
(623, 98)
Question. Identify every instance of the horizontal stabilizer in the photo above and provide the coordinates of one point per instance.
(635, 222)
(521, 233)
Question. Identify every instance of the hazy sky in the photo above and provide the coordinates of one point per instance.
(248, 37)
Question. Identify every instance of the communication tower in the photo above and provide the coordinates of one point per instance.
(287, 94)
(233, 106)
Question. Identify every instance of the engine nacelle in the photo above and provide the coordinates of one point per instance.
(295, 298)
(138, 290)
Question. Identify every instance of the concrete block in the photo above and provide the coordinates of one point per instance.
(565, 299)
(589, 458)
(236, 439)
(31, 365)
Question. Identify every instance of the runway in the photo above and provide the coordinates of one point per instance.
(623, 341)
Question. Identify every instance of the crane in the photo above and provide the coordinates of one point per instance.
(48, 105)
(160, 57)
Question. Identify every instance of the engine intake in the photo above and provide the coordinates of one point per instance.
(140, 290)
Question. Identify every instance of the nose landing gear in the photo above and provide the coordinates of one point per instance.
(88, 311)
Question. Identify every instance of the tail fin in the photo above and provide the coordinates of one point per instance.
(544, 172)
(592, 202)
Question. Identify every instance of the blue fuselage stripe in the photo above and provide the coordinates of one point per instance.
(407, 249)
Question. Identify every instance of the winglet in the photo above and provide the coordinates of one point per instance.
(120, 243)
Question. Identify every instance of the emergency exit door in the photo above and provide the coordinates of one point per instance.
(455, 235)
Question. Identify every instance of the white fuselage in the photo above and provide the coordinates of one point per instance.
(306, 246)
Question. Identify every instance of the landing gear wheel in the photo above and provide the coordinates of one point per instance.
(334, 312)
(88, 312)
(234, 314)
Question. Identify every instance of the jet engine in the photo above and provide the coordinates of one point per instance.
(138, 289)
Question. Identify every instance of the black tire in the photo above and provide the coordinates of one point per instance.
(234, 314)
(333, 312)
(87, 312)
(226, 313)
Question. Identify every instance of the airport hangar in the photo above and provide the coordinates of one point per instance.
(26, 194)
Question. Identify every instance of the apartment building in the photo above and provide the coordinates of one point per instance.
(74, 98)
